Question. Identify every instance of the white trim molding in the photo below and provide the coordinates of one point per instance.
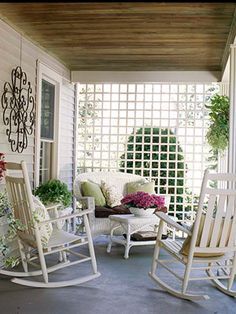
(47, 73)
(143, 76)
(232, 124)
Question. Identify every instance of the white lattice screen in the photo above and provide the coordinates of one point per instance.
(155, 130)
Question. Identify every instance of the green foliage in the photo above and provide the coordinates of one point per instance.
(4, 203)
(218, 133)
(3, 246)
(87, 110)
(8, 261)
(13, 226)
(12, 261)
(54, 191)
(163, 160)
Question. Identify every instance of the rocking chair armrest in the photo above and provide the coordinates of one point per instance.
(81, 213)
(172, 223)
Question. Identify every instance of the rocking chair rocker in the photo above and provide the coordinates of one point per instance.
(31, 245)
(212, 241)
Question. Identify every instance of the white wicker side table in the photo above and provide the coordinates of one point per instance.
(131, 224)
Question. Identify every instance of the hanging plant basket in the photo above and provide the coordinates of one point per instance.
(218, 132)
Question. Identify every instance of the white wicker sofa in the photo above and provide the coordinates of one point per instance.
(101, 226)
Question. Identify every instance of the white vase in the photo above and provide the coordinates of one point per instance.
(141, 212)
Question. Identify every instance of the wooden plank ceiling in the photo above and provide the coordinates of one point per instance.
(143, 36)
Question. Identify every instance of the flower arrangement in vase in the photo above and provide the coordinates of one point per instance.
(144, 204)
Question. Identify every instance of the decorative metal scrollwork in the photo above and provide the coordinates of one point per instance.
(18, 110)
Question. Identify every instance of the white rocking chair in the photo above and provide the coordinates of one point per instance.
(212, 245)
(29, 239)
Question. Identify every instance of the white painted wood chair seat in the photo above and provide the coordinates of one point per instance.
(32, 250)
(216, 235)
(61, 237)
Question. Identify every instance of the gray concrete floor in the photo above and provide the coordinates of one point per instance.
(124, 287)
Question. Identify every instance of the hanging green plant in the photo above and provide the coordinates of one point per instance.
(218, 133)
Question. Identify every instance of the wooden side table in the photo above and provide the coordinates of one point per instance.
(131, 224)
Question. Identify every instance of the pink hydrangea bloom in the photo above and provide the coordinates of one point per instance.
(143, 200)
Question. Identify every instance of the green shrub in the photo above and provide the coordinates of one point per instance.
(156, 153)
(54, 191)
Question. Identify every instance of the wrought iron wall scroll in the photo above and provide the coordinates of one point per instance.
(18, 110)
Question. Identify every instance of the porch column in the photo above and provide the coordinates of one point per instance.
(223, 157)
(224, 89)
(232, 119)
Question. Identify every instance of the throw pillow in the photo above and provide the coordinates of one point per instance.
(112, 196)
(92, 189)
(141, 186)
(186, 244)
(40, 214)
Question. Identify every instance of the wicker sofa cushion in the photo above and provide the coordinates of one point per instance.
(105, 211)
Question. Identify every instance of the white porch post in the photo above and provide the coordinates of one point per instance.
(232, 119)
(224, 89)
(223, 157)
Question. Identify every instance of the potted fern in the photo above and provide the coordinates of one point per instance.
(54, 191)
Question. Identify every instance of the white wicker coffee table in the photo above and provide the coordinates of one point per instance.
(131, 224)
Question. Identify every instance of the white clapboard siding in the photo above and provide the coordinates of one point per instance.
(10, 52)
(67, 128)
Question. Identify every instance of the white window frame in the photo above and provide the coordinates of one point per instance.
(44, 72)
